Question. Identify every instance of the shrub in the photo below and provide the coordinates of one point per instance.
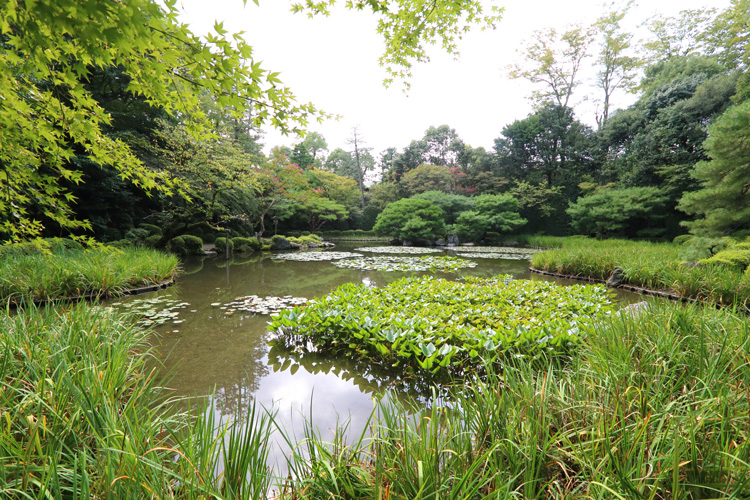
(151, 241)
(151, 228)
(138, 235)
(221, 245)
(209, 238)
(492, 238)
(121, 243)
(733, 257)
(410, 219)
(241, 244)
(683, 238)
(193, 244)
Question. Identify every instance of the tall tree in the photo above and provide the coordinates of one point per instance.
(678, 36)
(363, 160)
(442, 146)
(617, 66)
(722, 205)
(551, 61)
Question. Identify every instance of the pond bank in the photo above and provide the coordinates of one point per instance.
(629, 288)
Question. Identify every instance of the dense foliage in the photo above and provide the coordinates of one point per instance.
(427, 324)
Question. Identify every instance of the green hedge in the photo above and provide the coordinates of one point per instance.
(186, 244)
(241, 244)
(221, 245)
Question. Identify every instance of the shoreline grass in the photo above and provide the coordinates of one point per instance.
(76, 273)
(655, 266)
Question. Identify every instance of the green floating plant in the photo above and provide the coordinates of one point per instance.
(263, 305)
(154, 311)
(399, 250)
(492, 255)
(390, 263)
(427, 324)
(323, 255)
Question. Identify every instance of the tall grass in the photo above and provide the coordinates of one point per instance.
(82, 417)
(655, 266)
(65, 273)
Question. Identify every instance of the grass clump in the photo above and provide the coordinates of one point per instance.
(83, 418)
(99, 271)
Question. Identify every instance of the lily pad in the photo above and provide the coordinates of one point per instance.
(399, 250)
(314, 256)
(492, 255)
(154, 311)
(389, 263)
(264, 305)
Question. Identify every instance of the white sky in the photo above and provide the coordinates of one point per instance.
(333, 63)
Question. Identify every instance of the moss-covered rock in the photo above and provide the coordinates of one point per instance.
(278, 242)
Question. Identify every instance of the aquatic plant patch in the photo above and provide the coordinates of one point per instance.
(154, 311)
(315, 256)
(501, 250)
(426, 324)
(392, 263)
(262, 305)
(490, 255)
(399, 250)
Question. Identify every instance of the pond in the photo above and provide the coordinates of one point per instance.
(209, 347)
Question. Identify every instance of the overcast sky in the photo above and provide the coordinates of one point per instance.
(333, 63)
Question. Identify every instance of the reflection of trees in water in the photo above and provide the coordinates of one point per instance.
(191, 265)
(291, 352)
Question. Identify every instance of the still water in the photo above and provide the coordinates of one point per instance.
(225, 357)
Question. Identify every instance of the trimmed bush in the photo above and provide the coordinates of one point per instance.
(733, 257)
(221, 245)
(151, 228)
(193, 244)
(138, 235)
(241, 244)
(121, 244)
(151, 241)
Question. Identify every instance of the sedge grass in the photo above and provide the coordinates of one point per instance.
(100, 271)
(655, 266)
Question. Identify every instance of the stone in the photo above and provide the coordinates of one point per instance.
(635, 309)
(618, 275)
(453, 240)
